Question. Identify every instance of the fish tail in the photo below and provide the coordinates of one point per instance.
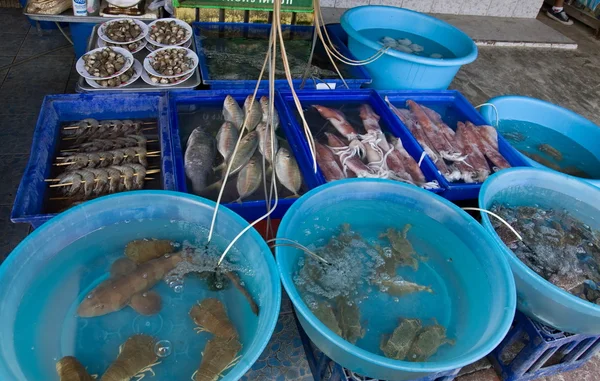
(212, 187)
(220, 167)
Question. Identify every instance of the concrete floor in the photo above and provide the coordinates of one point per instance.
(565, 77)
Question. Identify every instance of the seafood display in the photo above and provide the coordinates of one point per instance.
(468, 154)
(172, 61)
(168, 33)
(209, 150)
(70, 369)
(118, 80)
(335, 289)
(103, 63)
(136, 356)
(353, 144)
(231, 55)
(102, 157)
(414, 44)
(122, 31)
(48, 7)
(557, 246)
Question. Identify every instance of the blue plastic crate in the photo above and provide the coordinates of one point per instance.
(388, 123)
(453, 107)
(31, 197)
(358, 76)
(531, 350)
(325, 369)
(250, 210)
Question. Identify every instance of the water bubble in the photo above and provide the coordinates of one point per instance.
(167, 255)
(396, 300)
(163, 348)
(144, 275)
(127, 221)
(178, 288)
(90, 296)
(145, 294)
(147, 324)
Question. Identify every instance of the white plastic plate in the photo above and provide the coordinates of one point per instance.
(137, 68)
(186, 26)
(80, 65)
(103, 36)
(150, 57)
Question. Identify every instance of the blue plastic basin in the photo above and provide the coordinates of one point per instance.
(536, 297)
(38, 325)
(551, 116)
(401, 71)
(474, 294)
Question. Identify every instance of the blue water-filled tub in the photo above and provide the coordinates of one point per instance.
(31, 201)
(396, 70)
(530, 110)
(473, 288)
(536, 297)
(46, 275)
(184, 109)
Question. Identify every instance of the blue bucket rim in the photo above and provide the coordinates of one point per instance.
(556, 291)
(467, 59)
(379, 360)
(271, 315)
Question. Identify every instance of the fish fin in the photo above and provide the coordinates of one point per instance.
(220, 167)
(212, 187)
(122, 266)
(147, 304)
(239, 201)
(295, 195)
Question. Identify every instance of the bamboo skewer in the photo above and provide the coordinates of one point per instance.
(76, 148)
(77, 127)
(148, 154)
(148, 172)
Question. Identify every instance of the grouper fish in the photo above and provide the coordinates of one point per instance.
(117, 291)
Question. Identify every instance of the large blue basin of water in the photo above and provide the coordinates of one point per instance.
(527, 123)
(473, 288)
(536, 297)
(396, 70)
(50, 272)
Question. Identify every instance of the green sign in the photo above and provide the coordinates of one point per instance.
(249, 5)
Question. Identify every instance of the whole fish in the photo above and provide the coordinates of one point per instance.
(264, 105)
(198, 159)
(70, 369)
(115, 293)
(328, 164)
(287, 171)
(232, 112)
(401, 287)
(252, 113)
(265, 147)
(249, 179)
(226, 139)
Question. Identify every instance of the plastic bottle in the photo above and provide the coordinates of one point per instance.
(93, 6)
(80, 7)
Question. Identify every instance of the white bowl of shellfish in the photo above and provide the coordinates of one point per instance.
(104, 63)
(171, 62)
(123, 80)
(133, 47)
(169, 32)
(123, 31)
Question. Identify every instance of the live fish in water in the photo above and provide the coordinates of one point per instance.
(232, 112)
(249, 179)
(287, 171)
(252, 113)
(198, 159)
(116, 292)
(400, 287)
(550, 151)
(144, 250)
(70, 369)
(136, 356)
(264, 105)
(397, 345)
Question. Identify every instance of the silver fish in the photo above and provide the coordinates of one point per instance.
(232, 112)
(266, 145)
(245, 151)
(199, 156)
(252, 113)
(264, 105)
(287, 171)
(249, 179)
(226, 139)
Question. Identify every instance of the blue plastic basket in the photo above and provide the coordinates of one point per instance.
(388, 123)
(358, 75)
(250, 210)
(544, 351)
(453, 107)
(31, 197)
